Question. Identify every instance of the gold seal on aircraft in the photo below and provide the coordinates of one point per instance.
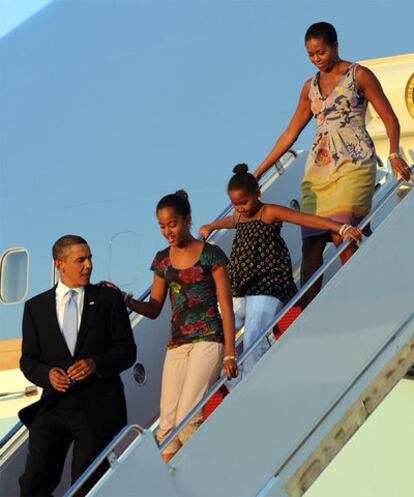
(409, 95)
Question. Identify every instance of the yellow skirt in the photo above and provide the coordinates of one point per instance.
(343, 194)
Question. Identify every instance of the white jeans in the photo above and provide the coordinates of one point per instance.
(255, 312)
(190, 370)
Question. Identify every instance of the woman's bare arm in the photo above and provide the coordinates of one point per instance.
(152, 308)
(225, 223)
(368, 83)
(222, 281)
(275, 213)
(300, 119)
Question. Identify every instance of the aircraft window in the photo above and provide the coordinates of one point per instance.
(14, 275)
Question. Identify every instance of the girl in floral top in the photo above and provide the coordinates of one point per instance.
(202, 340)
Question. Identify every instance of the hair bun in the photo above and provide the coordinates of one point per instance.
(240, 169)
(182, 194)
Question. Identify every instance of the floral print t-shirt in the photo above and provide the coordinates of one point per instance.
(195, 316)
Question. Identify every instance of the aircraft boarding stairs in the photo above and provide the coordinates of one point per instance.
(282, 424)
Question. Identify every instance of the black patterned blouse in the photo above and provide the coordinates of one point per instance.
(193, 297)
(260, 262)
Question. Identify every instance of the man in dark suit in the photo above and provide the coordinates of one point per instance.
(77, 338)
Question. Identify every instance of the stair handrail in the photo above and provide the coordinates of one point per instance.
(10, 433)
(9, 440)
(268, 329)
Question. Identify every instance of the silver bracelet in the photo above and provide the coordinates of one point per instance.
(229, 358)
(343, 229)
(393, 155)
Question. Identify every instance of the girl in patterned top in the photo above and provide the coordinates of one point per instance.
(260, 268)
(202, 341)
(341, 167)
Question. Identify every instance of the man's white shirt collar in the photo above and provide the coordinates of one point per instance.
(62, 290)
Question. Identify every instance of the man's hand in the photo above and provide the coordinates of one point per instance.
(81, 369)
(59, 379)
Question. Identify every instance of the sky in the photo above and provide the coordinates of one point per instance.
(14, 12)
(107, 105)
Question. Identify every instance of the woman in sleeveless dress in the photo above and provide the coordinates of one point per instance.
(260, 269)
(340, 170)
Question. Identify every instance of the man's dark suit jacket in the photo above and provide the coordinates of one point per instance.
(104, 335)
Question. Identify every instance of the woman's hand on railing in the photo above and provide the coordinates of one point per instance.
(353, 233)
(230, 366)
(400, 168)
(205, 231)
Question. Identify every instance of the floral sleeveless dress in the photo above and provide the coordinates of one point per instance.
(340, 171)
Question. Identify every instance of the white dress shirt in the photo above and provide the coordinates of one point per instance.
(61, 299)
